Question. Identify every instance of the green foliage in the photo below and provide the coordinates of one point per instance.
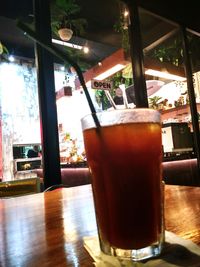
(172, 51)
(100, 95)
(102, 99)
(3, 52)
(154, 102)
(3, 49)
(121, 27)
(194, 44)
(116, 79)
(64, 15)
(66, 7)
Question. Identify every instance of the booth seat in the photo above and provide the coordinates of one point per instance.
(179, 172)
(71, 176)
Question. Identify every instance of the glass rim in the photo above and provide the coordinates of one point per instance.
(121, 116)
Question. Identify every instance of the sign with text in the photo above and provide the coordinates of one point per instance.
(101, 85)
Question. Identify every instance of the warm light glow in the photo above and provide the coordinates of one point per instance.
(85, 49)
(109, 72)
(88, 84)
(165, 75)
(55, 41)
(126, 13)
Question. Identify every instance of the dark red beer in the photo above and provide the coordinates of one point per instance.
(125, 162)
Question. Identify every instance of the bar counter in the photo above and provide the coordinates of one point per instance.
(47, 229)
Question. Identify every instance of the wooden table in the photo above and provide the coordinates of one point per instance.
(47, 229)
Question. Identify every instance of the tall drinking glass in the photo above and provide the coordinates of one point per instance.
(124, 156)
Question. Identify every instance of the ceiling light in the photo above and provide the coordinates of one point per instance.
(109, 72)
(85, 49)
(55, 41)
(126, 13)
(165, 75)
(11, 58)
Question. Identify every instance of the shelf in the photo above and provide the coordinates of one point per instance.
(179, 113)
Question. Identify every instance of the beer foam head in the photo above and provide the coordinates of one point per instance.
(115, 117)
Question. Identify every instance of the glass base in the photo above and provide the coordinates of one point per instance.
(151, 251)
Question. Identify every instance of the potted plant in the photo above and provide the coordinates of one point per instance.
(64, 19)
(154, 102)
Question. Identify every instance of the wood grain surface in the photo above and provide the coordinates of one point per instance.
(47, 229)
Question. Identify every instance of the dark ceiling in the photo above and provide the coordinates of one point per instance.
(101, 15)
(100, 35)
(183, 12)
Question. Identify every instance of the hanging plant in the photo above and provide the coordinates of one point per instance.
(121, 27)
(64, 16)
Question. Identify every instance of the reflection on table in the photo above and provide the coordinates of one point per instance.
(47, 229)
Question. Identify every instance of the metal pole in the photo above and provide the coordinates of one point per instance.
(191, 94)
(136, 52)
(47, 98)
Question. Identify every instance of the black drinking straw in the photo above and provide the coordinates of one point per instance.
(66, 58)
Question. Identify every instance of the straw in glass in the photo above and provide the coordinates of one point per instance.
(124, 96)
(110, 99)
